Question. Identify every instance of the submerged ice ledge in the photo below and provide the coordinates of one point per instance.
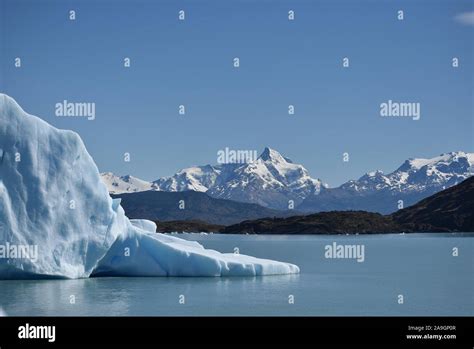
(52, 197)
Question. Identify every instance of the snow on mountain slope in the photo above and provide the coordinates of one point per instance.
(125, 184)
(199, 178)
(272, 180)
(413, 181)
(418, 175)
(58, 220)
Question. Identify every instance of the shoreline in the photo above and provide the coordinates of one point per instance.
(440, 234)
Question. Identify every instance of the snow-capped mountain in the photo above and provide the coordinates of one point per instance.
(199, 178)
(414, 180)
(418, 175)
(272, 180)
(125, 184)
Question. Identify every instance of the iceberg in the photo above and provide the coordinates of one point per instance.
(52, 197)
(146, 253)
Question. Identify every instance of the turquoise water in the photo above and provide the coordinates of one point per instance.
(421, 267)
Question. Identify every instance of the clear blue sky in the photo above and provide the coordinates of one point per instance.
(282, 63)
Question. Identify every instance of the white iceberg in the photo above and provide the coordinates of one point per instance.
(146, 253)
(52, 198)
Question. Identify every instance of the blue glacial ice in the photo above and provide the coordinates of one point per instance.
(52, 198)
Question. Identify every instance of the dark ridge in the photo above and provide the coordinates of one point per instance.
(164, 206)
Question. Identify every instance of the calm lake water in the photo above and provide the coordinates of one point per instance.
(421, 267)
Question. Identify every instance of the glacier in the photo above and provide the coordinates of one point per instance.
(52, 197)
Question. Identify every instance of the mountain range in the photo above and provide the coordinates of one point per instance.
(451, 210)
(413, 181)
(274, 181)
(271, 181)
